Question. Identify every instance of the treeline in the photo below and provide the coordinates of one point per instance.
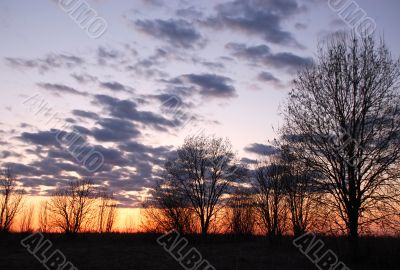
(78, 207)
(205, 189)
(337, 166)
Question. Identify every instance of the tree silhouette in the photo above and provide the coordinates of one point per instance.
(73, 206)
(343, 120)
(241, 212)
(203, 171)
(269, 192)
(168, 209)
(107, 211)
(10, 200)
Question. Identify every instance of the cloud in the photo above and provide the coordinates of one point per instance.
(261, 149)
(289, 61)
(262, 54)
(106, 55)
(248, 161)
(209, 85)
(21, 169)
(45, 138)
(85, 114)
(150, 66)
(84, 78)
(58, 89)
(114, 130)
(126, 109)
(49, 62)
(177, 32)
(116, 86)
(267, 77)
(257, 17)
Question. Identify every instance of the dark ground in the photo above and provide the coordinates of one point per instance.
(141, 251)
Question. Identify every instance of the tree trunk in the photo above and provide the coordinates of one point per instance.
(353, 233)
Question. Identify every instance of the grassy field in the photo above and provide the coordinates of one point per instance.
(141, 251)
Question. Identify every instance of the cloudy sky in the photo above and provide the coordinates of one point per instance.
(161, 70)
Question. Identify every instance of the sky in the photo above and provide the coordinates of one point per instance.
(155, 72)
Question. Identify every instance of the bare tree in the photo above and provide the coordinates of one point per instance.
(270, 198)
(241, 212)
(203, 171)
(130, 224)
(302, 192)
(107, 212)
(72, 207)
(343, 120)
(10, 200)
(168, 209)
(43, 217)
(26, 221)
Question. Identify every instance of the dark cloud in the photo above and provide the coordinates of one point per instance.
(213, 85)
(248, 161)
(47, 63)
(117, 107)
(114, 130)
(261, 149)
(85, 114)
(208, 85)
(116, 86)
(58, 89)
(289, 61)
(81, 130)
(151, 66)
(252, 52)
(7, 153)
(84, 78)
(177, 32)
(108, 55)
(21, 169)
(45, 138)
(260, 17)
(267, 77)
(262, 54)
(126, 109)
(139, 148)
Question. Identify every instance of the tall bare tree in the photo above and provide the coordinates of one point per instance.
(203, 171)
(72, 207)
(107, 212)
(343, 119)
(168, 209)
(302, 191)
(43, 217)
(269, 192)
(241, 212)
(26, 220)
(10, 200)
